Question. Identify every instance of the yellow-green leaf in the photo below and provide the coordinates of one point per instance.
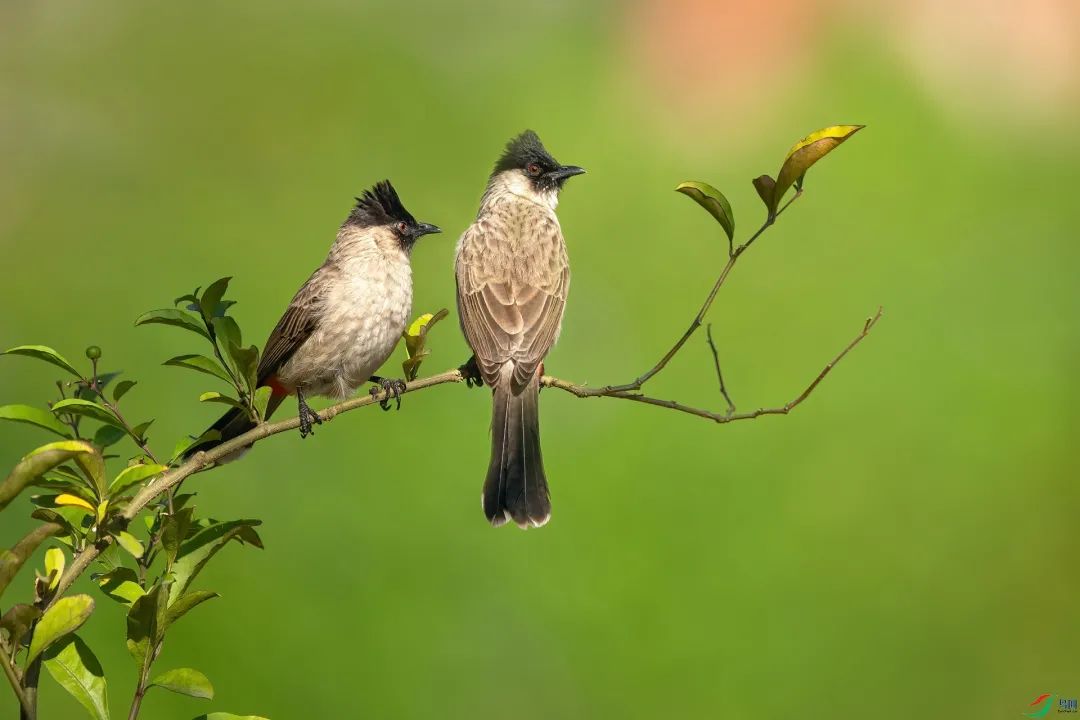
(414, 328)
(261, 400)
(87, 408)
(186, 682)
(42, 352)
(178, 318)
(416, 338)
(93, 467)
(34, 416)
(54, 566)
(714, 203)
(130, 543)
(217, 397)
(805, 153)
(134, 475)
(66, 616)
(72, 501)
(74, 666)
(121, 584)
(200, 363)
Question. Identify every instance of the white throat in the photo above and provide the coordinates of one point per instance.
(515, 182)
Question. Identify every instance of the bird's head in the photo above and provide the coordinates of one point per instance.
(380, 207)
(530, 169)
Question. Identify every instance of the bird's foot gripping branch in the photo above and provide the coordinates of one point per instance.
(125, 515)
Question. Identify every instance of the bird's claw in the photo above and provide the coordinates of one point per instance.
(471, 372)
(394, 389)
(307, 418)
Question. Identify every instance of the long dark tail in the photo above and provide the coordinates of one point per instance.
(516, 488)
(231, 425)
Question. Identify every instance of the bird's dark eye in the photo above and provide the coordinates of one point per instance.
(533, 169)
(402, 227)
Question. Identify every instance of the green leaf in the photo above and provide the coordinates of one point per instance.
(223, 399)
(63, 618)
(17, 621)
(212, 296)
(714, 203)
(416, 340)
(133, 475)
(185, 444)
(54, 566)
(261, 400)
(229, 716)
(174, 531)
(58, 516)
(130, 543)
(74, 666)
(122, 388)
(247, 362)
(120, 584)
(13, 559)
(37, 463)
(191, 298)
(176, 318)
(200, 363)
(228, 331)
(109, 435)
(144, 624)
(186, 603)
(186, 682)
(86, 408)
(62, 484)
(804, 154)
(34, 416)
(201, 547)
(139, 430)
(93, 468)
(41, 352)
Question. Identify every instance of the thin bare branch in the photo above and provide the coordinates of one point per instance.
(724, 417)
(719, 375)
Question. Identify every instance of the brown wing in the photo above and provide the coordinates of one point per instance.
(511, 302)
(293, 329)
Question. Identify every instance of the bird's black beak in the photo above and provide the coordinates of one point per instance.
(425, 229)
(565, 171)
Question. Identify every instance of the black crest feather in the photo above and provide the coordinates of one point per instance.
(522, 150)
(380, 206)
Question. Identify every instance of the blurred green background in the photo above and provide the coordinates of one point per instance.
(903, 545)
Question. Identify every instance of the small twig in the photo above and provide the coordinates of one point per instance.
(144, 678)
(726, 417)
(13, 677)
(719, 375)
